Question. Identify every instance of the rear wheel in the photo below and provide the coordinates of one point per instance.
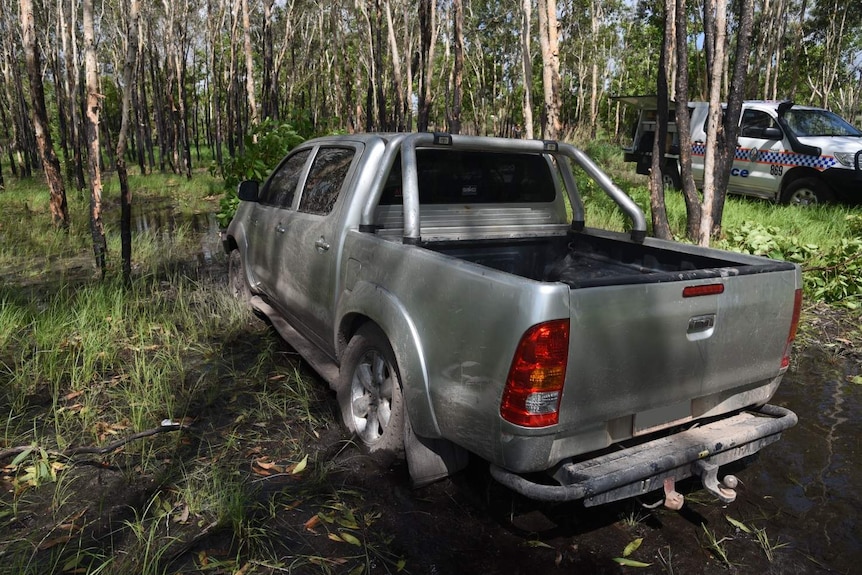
(369, 394)
(806, 192)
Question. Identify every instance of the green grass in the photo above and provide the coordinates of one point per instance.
(84, 362)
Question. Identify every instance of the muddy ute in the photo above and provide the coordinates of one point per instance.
(448, 290)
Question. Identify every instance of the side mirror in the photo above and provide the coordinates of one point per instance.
(772, 134)
(247, 190)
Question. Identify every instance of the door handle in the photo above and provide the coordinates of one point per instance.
(321, 244)
(280, 228)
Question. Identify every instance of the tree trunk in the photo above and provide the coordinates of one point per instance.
(661, 228)
(527, 68)
(92, 126)
(50, 163)
(269, 104)
(597, 15)
(377, 54)
(715, 15)
(181, 128)
(551, 126)
(458, 68)
(249, 64)
(683, 125)
(727, 150)
(122, 173)
(427, 40)
(397, 79)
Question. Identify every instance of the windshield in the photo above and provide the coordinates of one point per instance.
(818, 123)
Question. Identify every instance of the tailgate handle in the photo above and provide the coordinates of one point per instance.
(701, 326)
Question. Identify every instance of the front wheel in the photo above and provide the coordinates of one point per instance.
(806, 192)
(369, 394)
(237, 283)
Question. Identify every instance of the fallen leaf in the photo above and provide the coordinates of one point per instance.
(738, 524)
(630, 562)
(268, 465)
(300, 467)
(312, 523)
(47, 544)
(632, 547)
(72, 395)
(349, 538)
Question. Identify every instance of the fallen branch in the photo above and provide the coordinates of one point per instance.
(166, 426)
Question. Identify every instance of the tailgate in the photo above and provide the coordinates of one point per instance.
(642, 356)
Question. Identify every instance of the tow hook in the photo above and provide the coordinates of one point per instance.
(708, 473)
(673, 499)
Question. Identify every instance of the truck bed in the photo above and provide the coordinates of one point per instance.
(597, 258)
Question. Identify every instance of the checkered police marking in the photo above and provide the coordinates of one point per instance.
(772, 157)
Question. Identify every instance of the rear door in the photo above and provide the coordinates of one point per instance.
(309, 243)
(757, 165)
(276, 200)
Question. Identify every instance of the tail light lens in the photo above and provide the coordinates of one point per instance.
(794, 323)
(535, 383)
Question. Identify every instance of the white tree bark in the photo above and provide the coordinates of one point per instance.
(527, 67)
(719, 9)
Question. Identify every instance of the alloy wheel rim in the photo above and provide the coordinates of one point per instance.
(371, 396)
(804, 197)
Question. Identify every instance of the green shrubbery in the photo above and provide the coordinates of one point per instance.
(832, 273)
(265, 146)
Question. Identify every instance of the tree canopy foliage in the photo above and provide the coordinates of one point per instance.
(206, 72)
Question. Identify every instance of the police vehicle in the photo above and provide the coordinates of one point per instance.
(785, 152)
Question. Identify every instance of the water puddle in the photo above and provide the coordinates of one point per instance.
(163, 220)
(812, 475)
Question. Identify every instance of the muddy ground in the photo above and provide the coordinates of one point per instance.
(800, 494)
(797, 509)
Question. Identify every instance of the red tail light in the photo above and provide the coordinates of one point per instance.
(700, 290)
(794, 323)
(536, 378)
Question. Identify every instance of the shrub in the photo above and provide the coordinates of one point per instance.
(832, 274)
(264, 146)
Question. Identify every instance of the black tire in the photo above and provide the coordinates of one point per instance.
(806, 192)
(237, 282)
(369, 394)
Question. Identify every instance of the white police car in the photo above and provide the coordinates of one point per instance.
(787, 153)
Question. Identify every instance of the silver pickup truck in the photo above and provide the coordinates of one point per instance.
(448, 290)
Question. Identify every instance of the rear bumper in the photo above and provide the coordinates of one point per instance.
(643, 468)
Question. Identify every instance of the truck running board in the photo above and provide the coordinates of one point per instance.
(644, 468)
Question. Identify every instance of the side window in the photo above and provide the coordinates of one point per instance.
(281, 186)
(754, 122)
(325, 180)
